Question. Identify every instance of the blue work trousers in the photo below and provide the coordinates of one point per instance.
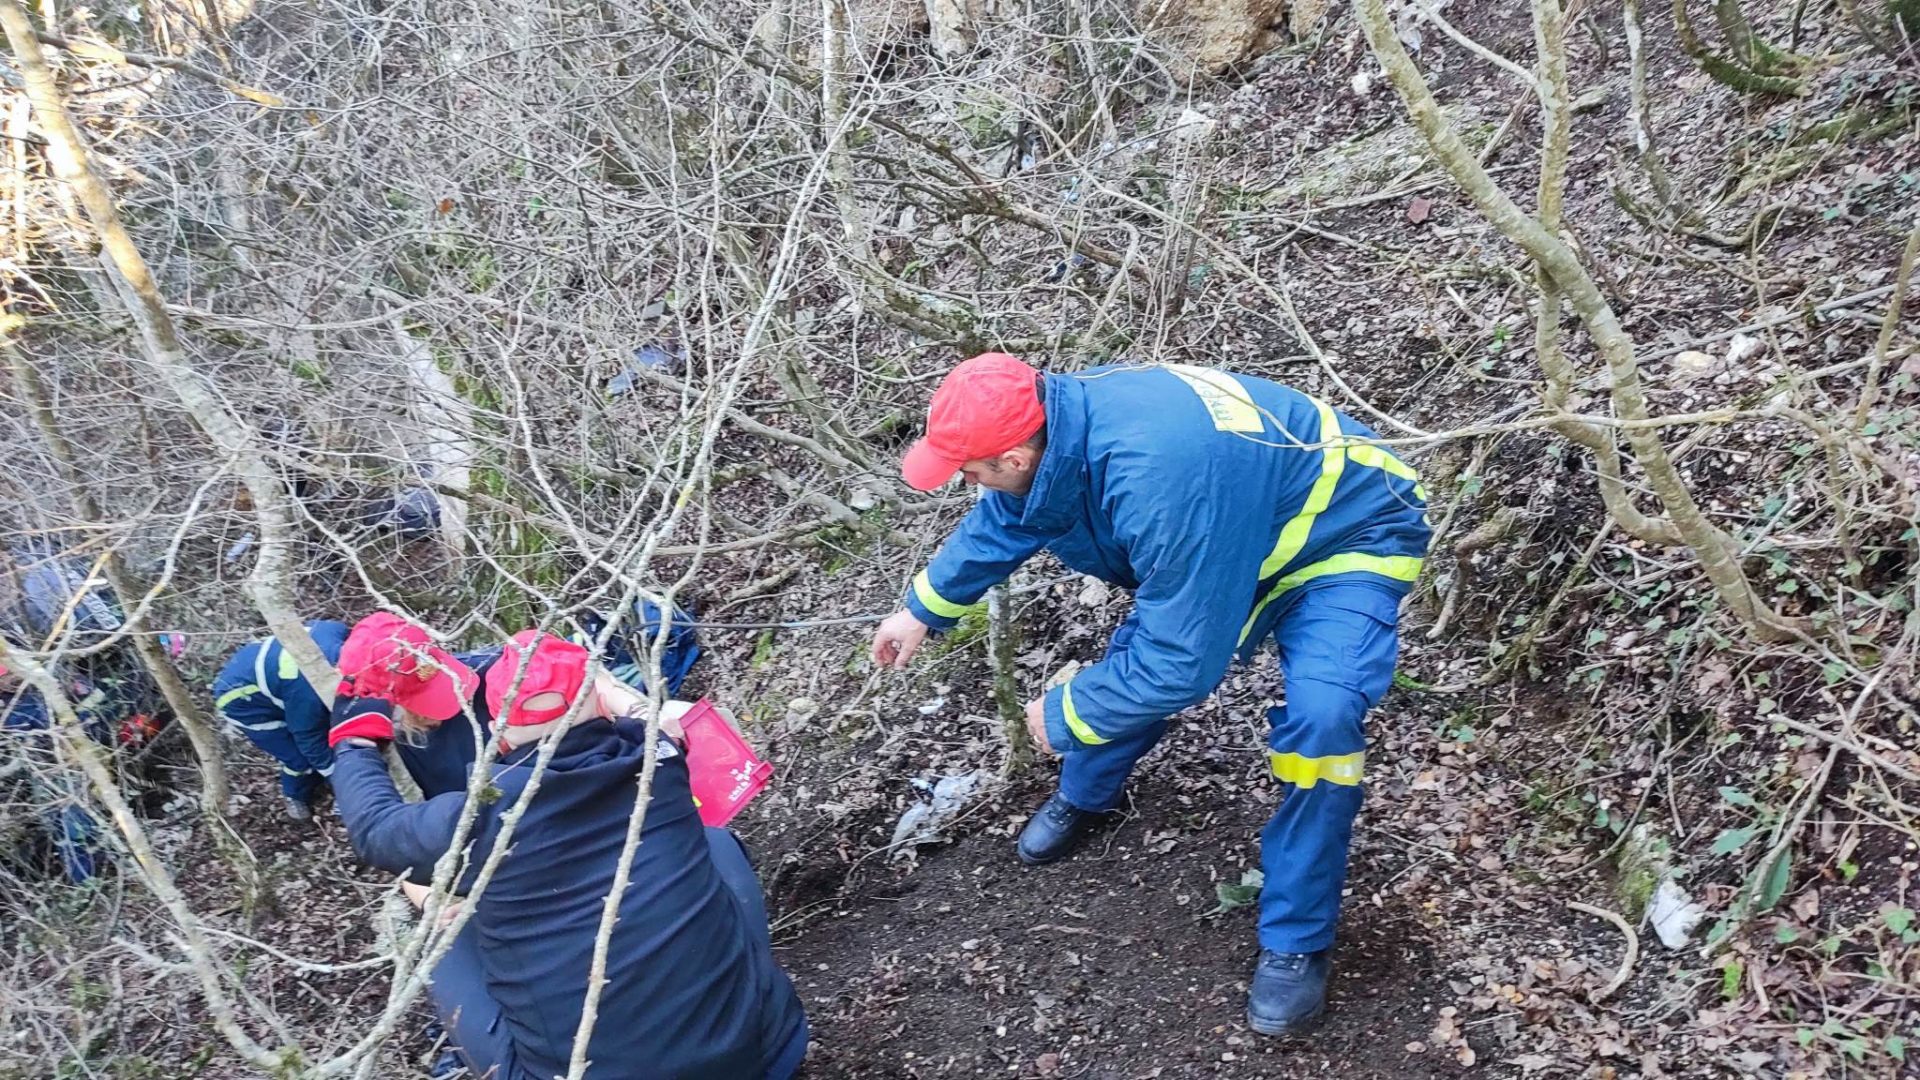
(300, 778)
(306, 764)
(1338, 640)
(474, 1022)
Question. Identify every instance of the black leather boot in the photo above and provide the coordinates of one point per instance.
(1055, 830)
(1289, 992)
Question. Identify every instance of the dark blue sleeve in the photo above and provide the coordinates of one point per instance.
(24, 710)
(386, 830)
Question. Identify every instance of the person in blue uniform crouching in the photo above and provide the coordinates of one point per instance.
(1236, 509)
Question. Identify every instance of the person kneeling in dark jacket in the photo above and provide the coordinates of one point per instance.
(692, 989)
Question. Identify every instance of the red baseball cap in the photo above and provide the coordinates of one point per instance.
(387, 657)
(983, 408)
(556, 669)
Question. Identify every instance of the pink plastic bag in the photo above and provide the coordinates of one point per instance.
(724, 773)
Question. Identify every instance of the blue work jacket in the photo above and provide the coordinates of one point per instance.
(688, 994)
(261, 690)
(1212, 496)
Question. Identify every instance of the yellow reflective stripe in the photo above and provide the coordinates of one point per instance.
(1333, 459)
(1074, 724)
(289, 668)
(1379, 457)
(1397, 567)
(1225, 400)
(934, 602)
(1294, 534)
(1303, 771)
(234, 695)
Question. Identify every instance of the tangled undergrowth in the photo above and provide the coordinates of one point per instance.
(571, 271)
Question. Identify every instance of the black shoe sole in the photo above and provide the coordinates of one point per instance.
(1282, 1029)
(1034, 860)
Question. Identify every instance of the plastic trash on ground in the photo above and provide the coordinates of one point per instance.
(945, 798)
(667, 360)
(1673, 914)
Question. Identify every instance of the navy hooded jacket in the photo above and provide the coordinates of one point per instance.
(687, 996)
(1212, 495)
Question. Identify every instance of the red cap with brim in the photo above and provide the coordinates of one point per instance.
(925, 468)
(985, 407)
(556, 669)
(387, 657)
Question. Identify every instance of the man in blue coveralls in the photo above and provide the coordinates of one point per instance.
(261, 692)
(1235, 508)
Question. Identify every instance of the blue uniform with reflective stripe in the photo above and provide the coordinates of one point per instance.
(25, 716)
(261, 692)
(1235, 508)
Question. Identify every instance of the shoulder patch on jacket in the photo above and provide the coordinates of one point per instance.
(1226, 400)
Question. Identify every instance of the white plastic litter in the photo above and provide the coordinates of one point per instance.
(1693, 364)
(945, 798)
(1673, 914)
(1193, 126)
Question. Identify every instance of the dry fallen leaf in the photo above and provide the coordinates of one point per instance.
(1420, 209)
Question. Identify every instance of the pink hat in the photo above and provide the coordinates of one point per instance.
(387, 657)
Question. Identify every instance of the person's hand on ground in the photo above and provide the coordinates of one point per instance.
(614, 699)
(898, 639)
(1037, 724)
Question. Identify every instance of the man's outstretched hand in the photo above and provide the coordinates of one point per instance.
(898, 639)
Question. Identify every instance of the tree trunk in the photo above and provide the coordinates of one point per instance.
(1003, 641)
(1710, 546)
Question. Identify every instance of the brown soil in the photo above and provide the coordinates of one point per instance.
(1103, 966)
